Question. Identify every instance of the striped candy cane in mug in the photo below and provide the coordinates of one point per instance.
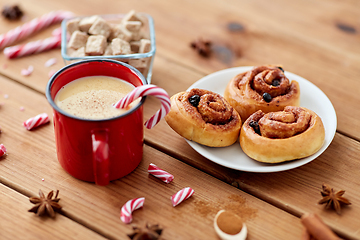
(146, 90)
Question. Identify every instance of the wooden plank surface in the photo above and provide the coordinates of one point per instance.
(17, 223)
(309, 43)
(337, 166)
(296, 190)
(31, 165)
(318, 40)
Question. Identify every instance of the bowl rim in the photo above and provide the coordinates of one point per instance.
(150, 54)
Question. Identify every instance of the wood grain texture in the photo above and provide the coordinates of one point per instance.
(31, 164)
(310, 42)
(297, 190)
(338, 167)
(17, 223)
(317, 40)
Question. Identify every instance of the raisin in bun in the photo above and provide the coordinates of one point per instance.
(263, 88)
(204, 117)
(293, 133)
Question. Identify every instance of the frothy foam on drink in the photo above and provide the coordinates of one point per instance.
(93, 97)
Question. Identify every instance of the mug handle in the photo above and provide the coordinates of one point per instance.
(100, 148)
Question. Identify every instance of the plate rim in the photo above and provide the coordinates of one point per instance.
(329, 135)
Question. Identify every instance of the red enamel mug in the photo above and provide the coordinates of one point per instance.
(97, 150)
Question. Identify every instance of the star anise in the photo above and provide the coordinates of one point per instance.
(12, 12)
(203, 47)
(333, 199)
(151, 232)
(46, 205)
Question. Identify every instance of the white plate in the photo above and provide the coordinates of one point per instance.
(233, 157)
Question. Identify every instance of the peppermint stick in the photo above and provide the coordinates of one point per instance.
(181, 195)
(159, 173)
(33, 26)
(36, 121)
(2, 150)
(146, 90)
(129, 207)
(33, 47)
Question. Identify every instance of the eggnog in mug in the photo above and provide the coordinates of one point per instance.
(93, 97)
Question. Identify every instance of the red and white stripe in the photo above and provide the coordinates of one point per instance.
(33, 47)
(56, 32)
(159, 173)
(50, 62)
(181, 195)
(36, 121)
(27, 71)
(129, 207)
(2, 150)
(35, 25)
(146, 90)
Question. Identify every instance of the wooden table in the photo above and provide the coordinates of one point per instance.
(318, 40)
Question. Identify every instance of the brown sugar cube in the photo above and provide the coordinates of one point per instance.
(108, 50)
(120, 46)
(78, 53)
(95, 45)
(100, 27)
(145, 34)
(131, 16)
(113, 27)
(133, 26)
(145, 46)
(87, 22)
(144, 71)
(73, 25)
(120, 31)
(70, 51)
(139, 63)
(135, 46)
(137, 36)
(78, 39)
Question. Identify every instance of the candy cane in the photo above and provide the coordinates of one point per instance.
(146, 90)
(181, 195)
(159, 173)
(33, 26)
(27, 71)
(56, 32)
(129, 207)
(50, 62)
(33, 47)
(2, 150)
(36, 121)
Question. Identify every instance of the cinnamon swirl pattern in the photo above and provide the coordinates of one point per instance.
(204, 117)
(274, 137)
(263, 88)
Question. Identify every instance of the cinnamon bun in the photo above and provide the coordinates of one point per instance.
(274, 137)
(204, 117)
(263, 88)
